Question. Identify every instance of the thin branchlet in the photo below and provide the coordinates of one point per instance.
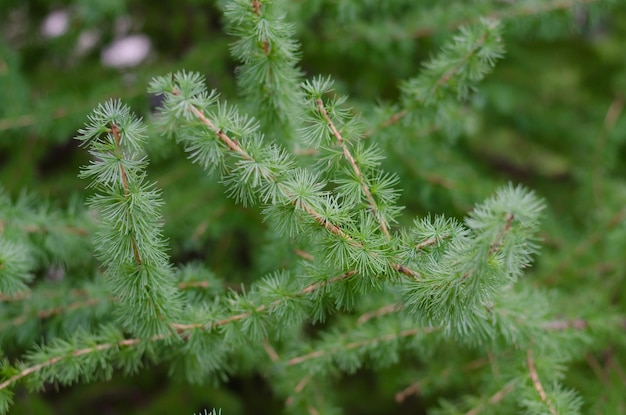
(451, 65)
(534, 376)
(116, 133)
(353, 164)
(129, 238)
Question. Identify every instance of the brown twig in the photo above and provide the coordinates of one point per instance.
(494, 399)
(534, 376)
(271, 352)
(413, 389)
(118, 140)
(193, 284)
(27, 120)
(558, 325)
(47, 313)
(44, 314)
(299, 388)
(304, 255)
(431, 241)
(256, 8)
(497, 244)
(455, 69)
(388, 309)
(393, 119)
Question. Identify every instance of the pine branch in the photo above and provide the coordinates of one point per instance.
(390, 308)
(355, 167)
(83, 356)
(460, 65)
(264, 307)
(179, 91)
(129, 239)
(234, 146)
(353, 345)
(268, 75)
(435, 287)
(36, 236)
(477, 265)
(74, 354)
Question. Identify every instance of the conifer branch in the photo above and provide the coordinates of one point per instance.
(431, 241)
(116, 134)
(393, 119)
(499, 240)
(481, 42)
(234, 146)
(193, 284)
(267, 175)
(130, 228)
(534, 376)
(269, 54)
(256, 7)
(346, 152)
(389, 308)
(23, 295)
(413, 389)
(593, 239)
(15, 268)
(454, 58)
(435, 286)
(231, 144)
(80, 300)
(263, 307)
(298, 389)
(560, 325)
(75, 353)
(355, 345)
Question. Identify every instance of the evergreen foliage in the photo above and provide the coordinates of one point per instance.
(363, 249)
